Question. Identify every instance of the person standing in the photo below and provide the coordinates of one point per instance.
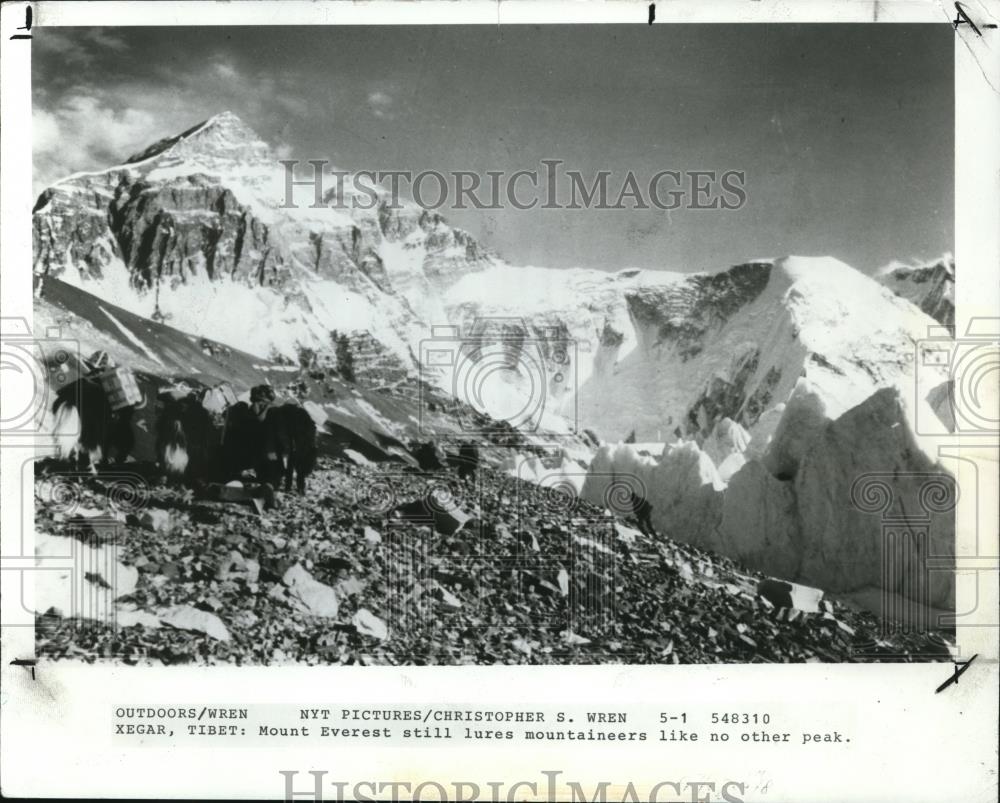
(643, 512)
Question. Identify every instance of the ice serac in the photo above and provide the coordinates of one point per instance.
(196, 231)
(760, 523)
(847, 542)
(682, 483)
(771, 385)
(727, 440)
(831, 398)
(849, 504)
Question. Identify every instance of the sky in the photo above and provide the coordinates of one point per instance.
(845, 133)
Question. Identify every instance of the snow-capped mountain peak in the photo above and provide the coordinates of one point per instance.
(224, 136)
(803, 368)
(195, 230)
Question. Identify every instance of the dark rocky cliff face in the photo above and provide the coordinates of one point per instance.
(185, 210)
(931, 287)
(178, 231)
(683, 317)
(181, 229)
(647, 351)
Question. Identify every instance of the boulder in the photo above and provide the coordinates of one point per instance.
(434, 510)
(310, 595)
(185, 617)
(156, 520)
(128, 615)
(368, 624)
(236, 567)
(790, 595)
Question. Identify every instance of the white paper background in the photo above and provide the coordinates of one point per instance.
(907, 743)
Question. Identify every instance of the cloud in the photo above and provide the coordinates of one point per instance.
(80, 127)
(77, 47)
(115, 102)
(225, 70)
(83, 133)
(381, 103)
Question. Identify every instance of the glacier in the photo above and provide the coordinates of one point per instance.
(768, 387)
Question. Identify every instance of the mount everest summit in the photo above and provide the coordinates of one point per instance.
(753, 398)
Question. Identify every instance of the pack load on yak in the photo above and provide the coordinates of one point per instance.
(93, 413)
(219, 398)
(117, 381)
(203, 440)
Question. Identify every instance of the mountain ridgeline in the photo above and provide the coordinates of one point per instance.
(758, 377)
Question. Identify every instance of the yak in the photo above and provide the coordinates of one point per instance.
(87, 428)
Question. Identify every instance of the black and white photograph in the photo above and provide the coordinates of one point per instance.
(505, 359)
(371, 346)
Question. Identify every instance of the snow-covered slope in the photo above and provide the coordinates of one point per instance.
(931, 286)
(773, 382)
(666, 355)
(195, 230)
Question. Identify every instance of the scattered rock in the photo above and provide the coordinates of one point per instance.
(235, 566)
(186, 617)
(790, 595)
(522, 645)
(349, 587)
(368, 624)
(312, 596)
(128, 615)
(442, 513)
(156, 520)
(448, 598)
(268, 581)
